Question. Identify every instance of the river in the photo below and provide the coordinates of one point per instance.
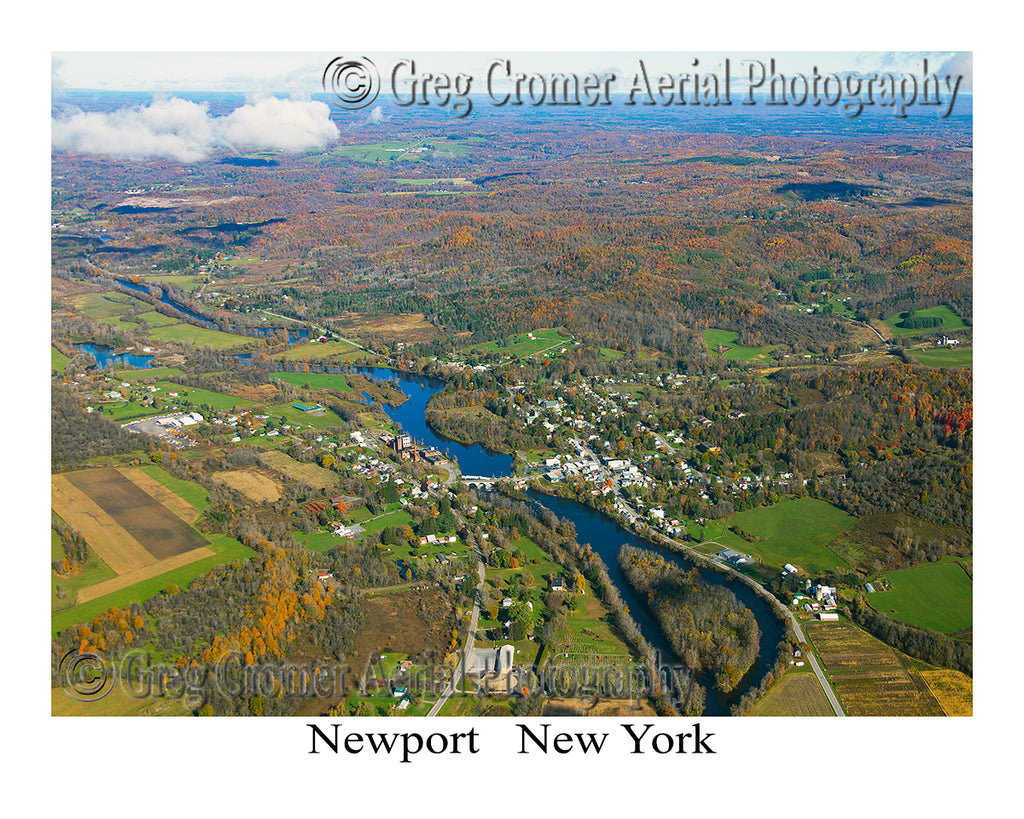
(603, 534)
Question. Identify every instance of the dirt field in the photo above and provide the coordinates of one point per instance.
(869, 677)
(182, 508)
(251, 483)
(309, 474)
(118, 549)
(148, 521)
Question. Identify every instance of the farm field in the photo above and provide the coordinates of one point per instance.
(953, 689)
(797, 694)
(950, 321)
(545, 341)
(251, 483)
(58, 361)
(316, 381)
(945, 356)
(315, 351)
(795, 531)
(310, 474)
(938, 596)
(140, 529)
(200, 336)
(301, 418)
(733, 352)
(869, 677)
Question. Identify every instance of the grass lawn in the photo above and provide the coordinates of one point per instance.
(945, 357)
(795, 531)
(316, 381)
(148, 375)
(318, 541)
(938, 596)
(733, 352)
(950, 321)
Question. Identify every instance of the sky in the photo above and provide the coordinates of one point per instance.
(301, 72)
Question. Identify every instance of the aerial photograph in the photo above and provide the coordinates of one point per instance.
(522, 384)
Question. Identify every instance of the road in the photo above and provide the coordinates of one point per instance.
(467, 650)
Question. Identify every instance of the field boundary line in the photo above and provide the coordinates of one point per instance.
(138, 575)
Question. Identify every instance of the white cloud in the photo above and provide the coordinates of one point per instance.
(183, 130)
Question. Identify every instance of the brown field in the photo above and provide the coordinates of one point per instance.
(133, 523)
(562, 707)
(309, 474)
(118, 549)
(258, 393)
(137, 512)
(251, 483)
(953, 689)
(795, 695)
(408, 327)
(411, 621)
(181, 507)
(869, 677)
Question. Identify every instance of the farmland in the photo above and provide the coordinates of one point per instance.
(869, 677)
(797, 694)
(725, 340)
(316, 381)
(140, 530)
(309, 474)
(795, 531)
(945, 356)
(549, 342)
(935, 596)
(950, 321)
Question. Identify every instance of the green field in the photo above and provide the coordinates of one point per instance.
(191, 396)
(950, 321)
(315, 351)
(58, 361)
(316, 381)
(297, 417)
(544, 341)
(938, 596)
(226, 550)
(148, 375)
(795, 531)
(733, 352)
(945, 357)
(199, 336)
(400, 150)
